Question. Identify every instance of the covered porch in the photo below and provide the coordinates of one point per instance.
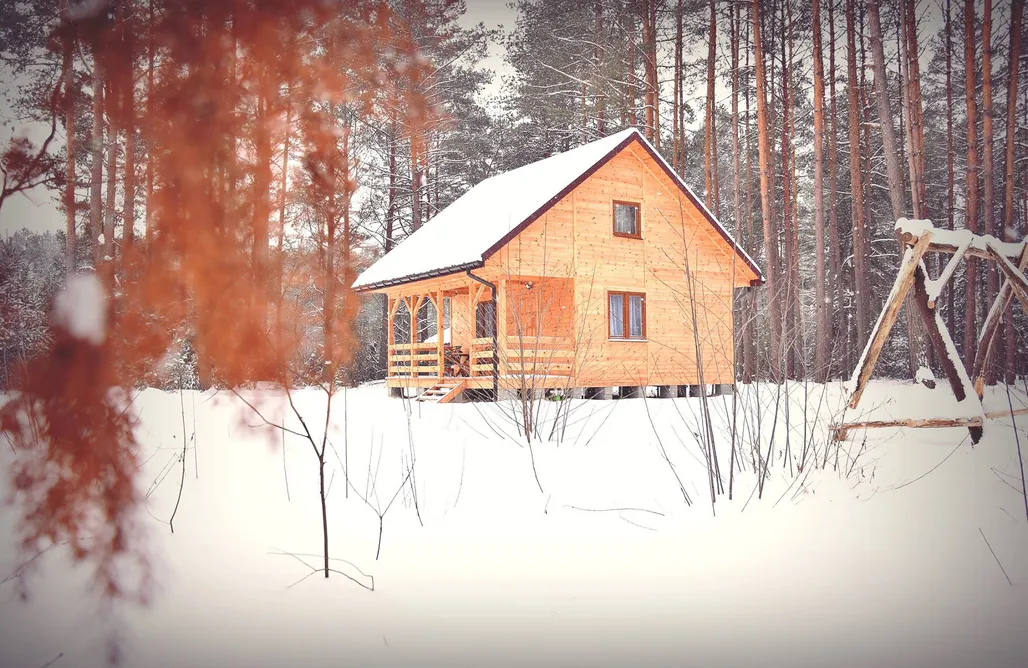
(479, 334)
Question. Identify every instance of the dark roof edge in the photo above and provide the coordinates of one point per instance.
(411, 278)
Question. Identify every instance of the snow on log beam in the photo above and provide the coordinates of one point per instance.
(934, 287)
(950, 241)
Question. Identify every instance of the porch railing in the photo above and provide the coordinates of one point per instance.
(480, 357)
(414, 360)
(529, 356)
(538, 356)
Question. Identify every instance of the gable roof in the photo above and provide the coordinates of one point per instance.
(484, 219)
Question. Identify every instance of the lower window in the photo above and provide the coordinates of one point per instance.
(627, 319)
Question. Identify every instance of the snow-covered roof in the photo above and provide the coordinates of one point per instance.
(464, 234)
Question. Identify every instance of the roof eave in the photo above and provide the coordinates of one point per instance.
(413, 278)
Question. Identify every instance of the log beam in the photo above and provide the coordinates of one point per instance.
(440, 343)
(939, 283)
(991, 326)
(943, 344)
(875, 343)
(839, 432)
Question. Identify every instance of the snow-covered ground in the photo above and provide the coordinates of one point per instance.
(896, 554)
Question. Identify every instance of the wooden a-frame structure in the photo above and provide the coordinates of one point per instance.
(919, 237)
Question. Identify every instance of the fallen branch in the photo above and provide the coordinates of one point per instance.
(613, 510)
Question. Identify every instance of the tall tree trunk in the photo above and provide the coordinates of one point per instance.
(971, 220)
(584, 122)
(915, 113)
(127, 26)
(150, 55)
(68, 82)
(347, 271)
(798, 363)
(96, 174)
(767, 194)
(834, 246)
(788, 288)
(262, 182)
(111, 104)
(736, 158)
(861, 295)
(649, 43)
(599, 56)
(750, 332)
(391, 205)
(901, 67)
(677, 129)
(950, 171)
(891, 154)
(416, 178)
(709, 138)
(330, 367)
(652, 61)
(629, 115)
(822, 346)
(892, 164)
(988, 182)
(283, 189)
(1009, 234)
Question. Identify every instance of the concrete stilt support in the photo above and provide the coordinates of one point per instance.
(683, 390)
(665, 391)
(601, 393)
(505, 394)
(631, 392)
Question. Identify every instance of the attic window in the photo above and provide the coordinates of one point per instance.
(626, 220)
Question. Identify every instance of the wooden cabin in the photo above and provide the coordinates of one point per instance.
(593, 268)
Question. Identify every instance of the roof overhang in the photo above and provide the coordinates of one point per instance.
(435, 273)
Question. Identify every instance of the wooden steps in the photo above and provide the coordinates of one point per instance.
(442, 392)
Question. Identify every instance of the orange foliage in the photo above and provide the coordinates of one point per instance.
(217, 114)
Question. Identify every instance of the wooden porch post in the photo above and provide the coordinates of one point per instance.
(500, 326)
(390, 335)
(415, 306)
(413, 332)
(439, 332)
